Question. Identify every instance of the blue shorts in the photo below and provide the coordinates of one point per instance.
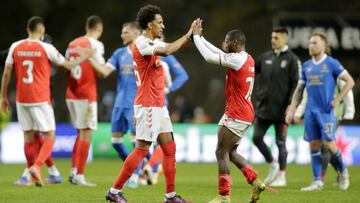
(319, 125)
(122, 119)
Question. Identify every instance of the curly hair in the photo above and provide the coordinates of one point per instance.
(147, 14)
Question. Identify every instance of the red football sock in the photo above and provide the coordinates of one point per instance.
(39, 141)
(249, 173)
(82, 152)
(169, 165)
(74, 152)
(30, 153)
(45, 152)
(224, 184)
(130, 164)
(155, 157)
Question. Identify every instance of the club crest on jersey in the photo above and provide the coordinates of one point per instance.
(283, 63)
(157, 63)
(324, 69)
(268, 61)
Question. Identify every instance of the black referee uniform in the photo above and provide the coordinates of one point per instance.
(277, 75)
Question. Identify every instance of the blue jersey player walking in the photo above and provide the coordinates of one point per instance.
(319, 75)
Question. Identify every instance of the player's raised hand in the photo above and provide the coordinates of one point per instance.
(197, 29)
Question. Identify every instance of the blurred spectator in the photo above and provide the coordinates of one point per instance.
(200, 116)
(182, 111)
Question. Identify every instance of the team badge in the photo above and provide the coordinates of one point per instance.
(283, 63)
(324, 68)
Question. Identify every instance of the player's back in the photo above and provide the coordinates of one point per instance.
(149, 75)
(238, 90)
(33, 68)
(320, 78)
(82, 79)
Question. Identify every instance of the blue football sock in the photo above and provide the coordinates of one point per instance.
(337, 158)
(121, 149)
(138, 169)
(316, 164)
(156, 167)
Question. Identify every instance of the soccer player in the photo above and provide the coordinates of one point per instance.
(151, 115)
(319, 75)
(344, 111)
(31, 59)
(81, 96)
(278, 71)
(239, 112)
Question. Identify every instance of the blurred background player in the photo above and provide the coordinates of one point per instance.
(152, 117)
(279, 73)
(31, 59)
(319, 75)
(239, 111)
(81, 96)
(344, 111)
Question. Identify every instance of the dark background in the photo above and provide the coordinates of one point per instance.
(65, 20)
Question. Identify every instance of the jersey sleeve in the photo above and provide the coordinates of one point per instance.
(53, 54)
(99, 53)
(337, 68)
(302, 78)
(231, 60)
(9, 58)
(147, 47)
(113, 61)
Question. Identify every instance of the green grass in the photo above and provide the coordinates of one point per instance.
(196, 182)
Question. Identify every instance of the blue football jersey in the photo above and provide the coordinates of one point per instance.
(122, 61)
(320, 80)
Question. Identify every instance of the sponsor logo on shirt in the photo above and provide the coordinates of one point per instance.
(268, 61)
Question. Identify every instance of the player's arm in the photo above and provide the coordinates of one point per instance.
(349, 106)
(180, 75)
(300, 109)
(5, 81)
(102, 70)
(349, 84)
(232, 60)
(213, 48)
(294, 101)
(171, 48)
(84, 54)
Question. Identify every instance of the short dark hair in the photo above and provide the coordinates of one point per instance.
(33, 22)
(147, 14)
(93, 21)
(237, 35)
(133, 25)
(280, 30)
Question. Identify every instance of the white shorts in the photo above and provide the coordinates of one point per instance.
(238, 128)
(83, 113)
(151, 121)
(37, 117)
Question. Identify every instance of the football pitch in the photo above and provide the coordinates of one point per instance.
(195, 181)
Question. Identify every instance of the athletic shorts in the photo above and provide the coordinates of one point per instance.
(151, 121)
(238, 128)
(122, 119)
(37, 117)
(319, 126)
(83, 113)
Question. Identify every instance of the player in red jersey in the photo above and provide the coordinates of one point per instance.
(151, 115)
(81, 96)
(31, 59)
(239, 111)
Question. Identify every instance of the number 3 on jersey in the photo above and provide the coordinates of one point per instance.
(251, 85)
(30, 67)
(76, 71)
